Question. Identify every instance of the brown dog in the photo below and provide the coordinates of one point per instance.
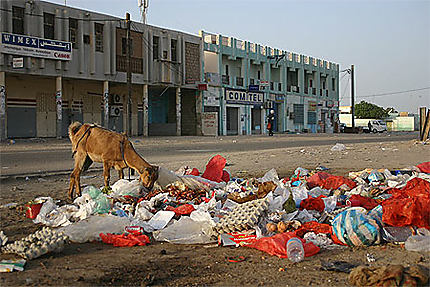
(91, 143)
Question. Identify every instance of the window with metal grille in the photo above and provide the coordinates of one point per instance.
(155, 47)
(17, 20)
(49, 25)
(99, 36)
(73, 32)
(174, 50)
(87, 39)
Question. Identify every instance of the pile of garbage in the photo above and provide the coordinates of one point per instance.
(292, 217)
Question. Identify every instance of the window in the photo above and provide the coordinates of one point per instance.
(17, 20)
(279, 86)
(124, 46)
(73, 32)
(155, 47)
(48, 25)
(251, 81)
(271, 86)
(258, 75)
(310, 83)
(87, 39)
(226, 70)
(333, 84)
(99, 36)
(174, 50)
(323, 85)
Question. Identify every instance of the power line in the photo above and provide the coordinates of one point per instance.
(394, 93)
(60, 17)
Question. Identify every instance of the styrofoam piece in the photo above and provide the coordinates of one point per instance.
(161, 219)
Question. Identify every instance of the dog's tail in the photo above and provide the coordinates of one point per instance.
(74, 128)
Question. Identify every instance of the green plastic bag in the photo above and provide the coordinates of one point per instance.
(102, 202)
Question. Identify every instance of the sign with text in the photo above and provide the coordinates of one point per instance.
(18, 63)
(254, 88)
(210, 124)
(35, 47)
(243, 97)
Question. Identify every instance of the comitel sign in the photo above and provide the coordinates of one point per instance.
(35, 47)
(243, 97)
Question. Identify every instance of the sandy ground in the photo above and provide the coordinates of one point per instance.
(166, 264)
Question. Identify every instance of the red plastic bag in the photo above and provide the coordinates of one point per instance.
(32, 210)
(424, 167)
(409, 205)
(184, 209)
(277, 245)
(124, 240)
(313, 226)
(214, 168)
(366, 202)
(195, 172)
(317, 179)
(313, 203)
(334, 182)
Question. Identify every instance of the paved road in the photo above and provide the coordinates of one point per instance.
(53, 156)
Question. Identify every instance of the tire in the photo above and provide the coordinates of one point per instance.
(374, 131)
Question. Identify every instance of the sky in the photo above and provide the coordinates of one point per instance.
(388, 42)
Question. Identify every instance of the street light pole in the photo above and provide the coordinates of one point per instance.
(352, 97)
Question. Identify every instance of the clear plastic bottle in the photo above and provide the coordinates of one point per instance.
(295, 251)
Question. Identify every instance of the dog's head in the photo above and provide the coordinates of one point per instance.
(149, 176)
(73, 129)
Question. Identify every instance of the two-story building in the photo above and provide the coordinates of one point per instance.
(247, 80)
(60, 64)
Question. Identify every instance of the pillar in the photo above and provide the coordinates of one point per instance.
(178, 111)
(106, 103)
(199, 110)
(59, 103)
(145, 110)
(2, 106)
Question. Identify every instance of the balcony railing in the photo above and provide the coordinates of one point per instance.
(225, 80)
(239, 81)
(136, 64)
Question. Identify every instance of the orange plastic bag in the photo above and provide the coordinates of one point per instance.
(409, 205)
(124, 240)
(424, 167)
(334, 182)
(184, 209)
(277, 245)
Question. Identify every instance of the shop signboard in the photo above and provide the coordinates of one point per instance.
(243, 97)
(254, 88)
(35, 47)
(210, 123)
(312, 106)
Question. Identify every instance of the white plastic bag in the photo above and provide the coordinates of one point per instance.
(89, 229)
(271, 175)
(142, 212)
(299, 193)
(125, 187)
(186, 231)
(161, 219)
(338, 147)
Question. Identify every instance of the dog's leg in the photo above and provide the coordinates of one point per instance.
(106, 173)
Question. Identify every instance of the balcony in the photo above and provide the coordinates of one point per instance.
(136, 64)
(314, 91)
(306, 90)
(239, 81)
(326, 93)
(321, 93)
(225, 79)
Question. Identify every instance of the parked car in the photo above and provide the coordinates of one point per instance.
(377, 126)
(342, 127)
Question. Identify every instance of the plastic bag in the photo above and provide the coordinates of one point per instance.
(357, 227)
(277, 245)
(185, 231)
(334, 182)
(300, 171)
(424, 167)
(317, 179)
(142, 212)
(338, 147)
(408, 206)
(161, 219)
(102, 204)
(184, 209)
(214, 168)
(375, 176)
(125, 240)
(89, 229)
(299, 193)
(125, 187)
(271, 175)
(419, 242)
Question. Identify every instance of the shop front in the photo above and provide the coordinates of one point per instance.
(244, 112)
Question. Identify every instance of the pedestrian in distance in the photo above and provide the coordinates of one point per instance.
(270, 121)
(369, 125)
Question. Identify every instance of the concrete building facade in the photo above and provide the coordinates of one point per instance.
(60, 64)
(247, 80)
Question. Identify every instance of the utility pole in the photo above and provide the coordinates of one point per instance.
(127, 128)
(352, 97)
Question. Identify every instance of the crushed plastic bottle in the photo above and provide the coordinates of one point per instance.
(295, 251)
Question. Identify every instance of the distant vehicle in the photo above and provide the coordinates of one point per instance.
(376, 126)
(342, 127)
